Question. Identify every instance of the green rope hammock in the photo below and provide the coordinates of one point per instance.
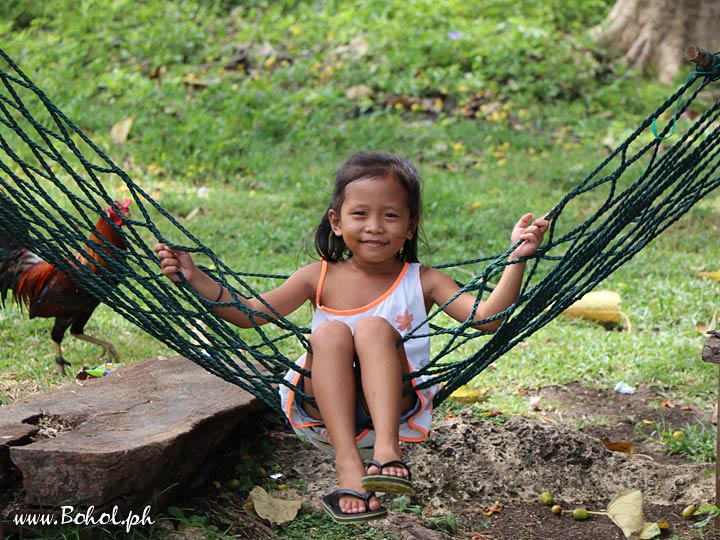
(59, 181)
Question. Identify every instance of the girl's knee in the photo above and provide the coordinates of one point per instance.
(375, 328)
(331, 334)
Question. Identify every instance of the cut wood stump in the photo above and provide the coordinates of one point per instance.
(128, 439)
(711, 353)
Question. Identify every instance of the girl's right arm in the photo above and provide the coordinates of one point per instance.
(438, 287)
(294, 292)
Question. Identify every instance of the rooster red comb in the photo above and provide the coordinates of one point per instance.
(124, 208)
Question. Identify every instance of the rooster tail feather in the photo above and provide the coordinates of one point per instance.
(25, 275)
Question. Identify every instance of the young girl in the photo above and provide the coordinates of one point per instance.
(367, 291)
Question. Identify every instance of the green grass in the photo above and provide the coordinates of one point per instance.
(694, 441)
(245, 155)
(323, 528)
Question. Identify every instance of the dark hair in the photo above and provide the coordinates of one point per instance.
(360, 166)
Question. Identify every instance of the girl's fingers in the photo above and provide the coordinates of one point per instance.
(525, 220)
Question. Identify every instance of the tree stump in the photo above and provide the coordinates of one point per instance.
(711, 353)
(128, 439)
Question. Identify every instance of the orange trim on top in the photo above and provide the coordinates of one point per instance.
(291, 402)
(420, 410)
(362, 435)
(372, 304)
(321, 280)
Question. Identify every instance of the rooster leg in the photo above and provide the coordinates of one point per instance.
(57, 333)
(59, 359)
(78, 331)
(108, 348)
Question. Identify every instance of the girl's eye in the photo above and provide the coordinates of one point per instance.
(391, 215)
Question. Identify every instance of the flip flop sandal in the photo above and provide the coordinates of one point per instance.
(331, 504)
(387, 483)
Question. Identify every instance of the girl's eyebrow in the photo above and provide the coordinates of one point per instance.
(384, 207)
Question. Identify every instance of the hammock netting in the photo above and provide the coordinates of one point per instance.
(59, 182)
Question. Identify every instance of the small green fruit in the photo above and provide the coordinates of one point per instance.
(579, 514)
(677, 435)
(688, 511)
(234, 484)
(556, 509)
(546, 498)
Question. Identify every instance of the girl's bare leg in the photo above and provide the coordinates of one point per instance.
(382, 365)
(333, 385)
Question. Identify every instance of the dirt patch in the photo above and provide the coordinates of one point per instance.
(471, 463)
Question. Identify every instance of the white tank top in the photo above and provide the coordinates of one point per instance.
(403, 306)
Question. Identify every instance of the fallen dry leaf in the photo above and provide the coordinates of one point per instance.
(494, 508)
(276, 511)
(361, 91)
(626, 511)
(598, 306)
(650, 530)
(705, 328)
(120, 131)
(467, 395)
(619, 446)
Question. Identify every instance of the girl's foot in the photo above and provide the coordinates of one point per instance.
(331, 504)
(350, 477)
(390, 457)
(392, 467)
(391, 476)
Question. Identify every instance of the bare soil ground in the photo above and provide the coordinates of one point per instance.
(470, 464)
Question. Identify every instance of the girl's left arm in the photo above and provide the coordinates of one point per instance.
(438, 287)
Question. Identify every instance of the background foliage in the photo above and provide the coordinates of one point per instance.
(242, 111)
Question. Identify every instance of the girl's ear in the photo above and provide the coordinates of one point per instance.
(412, 228)
(334, 219)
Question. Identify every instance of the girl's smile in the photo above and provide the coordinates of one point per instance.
(374, 243)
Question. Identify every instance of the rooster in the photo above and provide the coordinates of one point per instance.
(46, 291)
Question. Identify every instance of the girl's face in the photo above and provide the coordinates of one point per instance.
(374, 219)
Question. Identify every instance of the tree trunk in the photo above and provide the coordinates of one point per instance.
(655, 34)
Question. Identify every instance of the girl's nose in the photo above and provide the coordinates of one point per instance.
(374, 224)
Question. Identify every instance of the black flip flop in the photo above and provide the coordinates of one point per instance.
(387, 483)
(331, 504)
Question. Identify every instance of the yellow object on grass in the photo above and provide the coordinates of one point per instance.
(599, 306)
(467, 395)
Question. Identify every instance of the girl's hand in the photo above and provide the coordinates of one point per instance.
(175, 263)
(530, 232)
